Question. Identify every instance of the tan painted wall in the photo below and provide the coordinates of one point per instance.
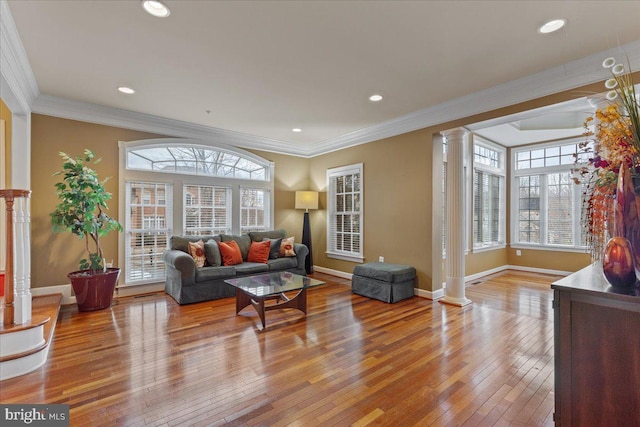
(5, 114)
(55, 255)
(553, 260)
(291, 174)
(397, 201)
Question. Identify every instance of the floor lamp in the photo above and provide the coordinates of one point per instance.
(307, 200)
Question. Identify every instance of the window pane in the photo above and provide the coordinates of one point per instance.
(254, 210)
(206, 210)
(344, 228)
(195, 161)
(147, 230)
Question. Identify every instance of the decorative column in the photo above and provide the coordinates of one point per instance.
(456, 209)
(17, 278)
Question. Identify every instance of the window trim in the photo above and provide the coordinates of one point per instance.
(544, 171)
(500, 171)
(341, 171)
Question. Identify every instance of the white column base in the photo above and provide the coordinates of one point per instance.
(459, 302)
(22, 308)
(454, 292)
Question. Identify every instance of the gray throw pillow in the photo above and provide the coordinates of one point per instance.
(274, 249)
(212, 252)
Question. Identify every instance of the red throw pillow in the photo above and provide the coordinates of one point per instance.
(230, 252)
(259, 252)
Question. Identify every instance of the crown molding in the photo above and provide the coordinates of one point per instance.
(109, 116)
(568, 76)
(19, 85)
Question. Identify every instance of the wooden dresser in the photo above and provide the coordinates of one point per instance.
(597, 351)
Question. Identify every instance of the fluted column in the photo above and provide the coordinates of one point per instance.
(456, 209)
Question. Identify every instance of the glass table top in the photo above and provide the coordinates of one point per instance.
(273, 283)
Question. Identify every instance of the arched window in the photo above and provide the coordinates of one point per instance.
(175, 186)
(197, 160)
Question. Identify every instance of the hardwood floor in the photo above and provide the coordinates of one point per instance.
(350, 361)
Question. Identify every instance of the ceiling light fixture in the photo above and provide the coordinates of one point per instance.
(296, 130)
(156, 8)
(551, 26)
(375, 98)
(126, 90)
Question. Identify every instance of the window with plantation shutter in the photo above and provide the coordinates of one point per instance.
(546, 202)
(254, 210)
(207, 210)
(147, 229)
(489, 194)
(345, 213)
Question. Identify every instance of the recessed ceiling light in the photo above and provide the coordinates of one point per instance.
(126, 90)
(375, 98)
(296, 130)
(551, 26)
(156, 8)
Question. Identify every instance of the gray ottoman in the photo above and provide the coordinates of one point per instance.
(384, 282)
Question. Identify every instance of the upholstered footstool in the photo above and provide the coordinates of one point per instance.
(384, 282)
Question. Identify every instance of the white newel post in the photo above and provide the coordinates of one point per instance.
(22, 251)
(454, 292)
(17, 289)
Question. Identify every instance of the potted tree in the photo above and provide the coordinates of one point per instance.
(81, 211)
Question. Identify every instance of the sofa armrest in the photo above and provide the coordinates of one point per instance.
(182, 262)
(302, 251)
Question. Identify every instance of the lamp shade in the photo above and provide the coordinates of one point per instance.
(306, 200)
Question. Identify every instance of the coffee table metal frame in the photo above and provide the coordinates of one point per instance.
(255, 290)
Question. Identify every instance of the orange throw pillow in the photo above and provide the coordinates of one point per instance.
(230, 252)
(259, 252)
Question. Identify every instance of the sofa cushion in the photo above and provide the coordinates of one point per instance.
(282, 263)
(244, 242)
(259, 236)
(196, 250)
(286, 248)
(181, 243)
(212, 252)
(259, 252)
(230, 253)
(251, 268)
(205, 274)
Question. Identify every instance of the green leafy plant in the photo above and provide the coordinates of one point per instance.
(81, 211)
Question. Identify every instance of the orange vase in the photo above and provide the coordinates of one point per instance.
(618, 264)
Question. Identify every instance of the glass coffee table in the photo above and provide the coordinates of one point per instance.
(255, 290)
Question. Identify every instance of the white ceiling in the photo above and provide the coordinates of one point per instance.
(262, 68)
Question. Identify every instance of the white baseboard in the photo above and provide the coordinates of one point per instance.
(65, 290)
(539, 270)
(123, 291)
(439, 293)
(127, 291)
(332, 272)
(432, 295)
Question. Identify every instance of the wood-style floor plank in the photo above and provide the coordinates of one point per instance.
(147, 361)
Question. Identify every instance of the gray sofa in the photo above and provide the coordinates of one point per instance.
(188, 284)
